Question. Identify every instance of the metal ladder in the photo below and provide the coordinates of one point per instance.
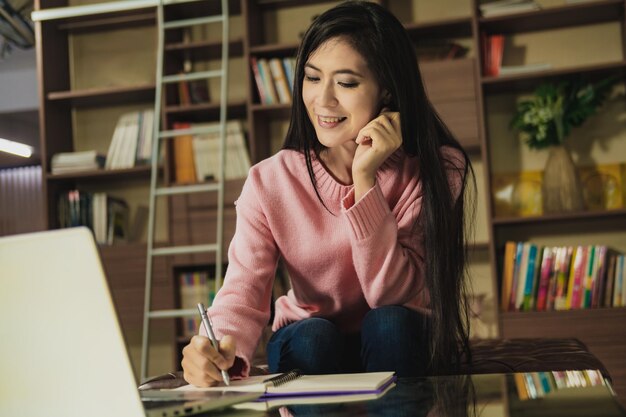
(159, 191)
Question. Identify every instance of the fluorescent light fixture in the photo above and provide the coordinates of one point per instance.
(15, 148)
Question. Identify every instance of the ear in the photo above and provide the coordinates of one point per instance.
(386, 100)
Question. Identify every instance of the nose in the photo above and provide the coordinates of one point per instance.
(326, 96)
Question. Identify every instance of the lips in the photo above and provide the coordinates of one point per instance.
(326, 119)
(329, 122)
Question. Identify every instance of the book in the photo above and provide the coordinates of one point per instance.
(531, 278)
(505, 7)
(507, 274)
(519, 250)
(280, 80)
(184, 166)
(577, 273)
(206, 149)
(268, 83)
(64, 162)
(294, 384)
(619, 289)
(194, 287)
(289, 65)
(275, 402)
(562, 278)
(263, 98)
(547, 262)
(523, 69)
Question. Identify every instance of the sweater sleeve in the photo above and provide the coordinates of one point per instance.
(388, 246)
(242, 306)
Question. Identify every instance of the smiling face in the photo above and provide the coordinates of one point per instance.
(340, 93)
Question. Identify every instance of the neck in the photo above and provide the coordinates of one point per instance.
(338, 162)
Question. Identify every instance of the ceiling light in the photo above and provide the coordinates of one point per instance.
(15, 148)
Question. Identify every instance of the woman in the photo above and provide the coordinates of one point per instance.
(365, 206)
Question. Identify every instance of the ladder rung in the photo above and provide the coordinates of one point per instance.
(183, 250)
(165, 314)
(191, 131)
(185, 189)
(200, 75)
(193, 22)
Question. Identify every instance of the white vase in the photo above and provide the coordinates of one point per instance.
(561, 189)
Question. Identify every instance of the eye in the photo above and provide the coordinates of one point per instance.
(348, 85)
(311, 78)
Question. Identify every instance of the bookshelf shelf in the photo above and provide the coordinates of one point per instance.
(276, 49)
(564, 217)
(204, 111)
(555, 17)
(140, 17)
(276, 110)
(266, 5)
(204, 50)
(103, 96)
(451, 28)
(142, 171)
(524, 82)
(603, 313)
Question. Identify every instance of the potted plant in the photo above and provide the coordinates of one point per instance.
(545, 120)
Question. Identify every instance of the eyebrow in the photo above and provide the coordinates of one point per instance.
(340, 71)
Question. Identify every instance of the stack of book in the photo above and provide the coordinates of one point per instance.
(65, 162)
(194, 287)
(106, 216)
(533, 385)
(131, 144)
(197, 157)
(561, 278)
(493, 52)
(274, 79)
(505, 7)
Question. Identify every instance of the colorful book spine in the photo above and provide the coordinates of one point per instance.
(619, 290)
(531, 278)
(258, 80)
(507, 274)
(590, 268)
(519, 251)
(576, 278)
(599, 277)
(560, 302)
(547, 266)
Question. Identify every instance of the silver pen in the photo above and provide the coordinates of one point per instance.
(209, 331)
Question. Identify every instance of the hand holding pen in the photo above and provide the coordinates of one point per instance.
(209, 330)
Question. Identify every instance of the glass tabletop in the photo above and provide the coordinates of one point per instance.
(554, 394)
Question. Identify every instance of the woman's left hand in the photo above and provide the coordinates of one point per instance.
(377, 141)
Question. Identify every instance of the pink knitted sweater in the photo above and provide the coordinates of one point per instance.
(341, 264)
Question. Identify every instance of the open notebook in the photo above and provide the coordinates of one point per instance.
(293, 384)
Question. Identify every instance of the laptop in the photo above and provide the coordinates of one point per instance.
(62, 352)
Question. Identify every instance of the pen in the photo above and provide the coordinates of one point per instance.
(209, 331)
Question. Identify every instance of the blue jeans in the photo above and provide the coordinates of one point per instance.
(392, 338)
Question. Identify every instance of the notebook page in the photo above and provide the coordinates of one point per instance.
(335, 383)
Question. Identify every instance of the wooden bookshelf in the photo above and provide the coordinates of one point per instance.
(461, 94)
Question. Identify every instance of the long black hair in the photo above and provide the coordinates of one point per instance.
(389, 52)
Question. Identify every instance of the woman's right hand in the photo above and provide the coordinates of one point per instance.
(202, 364)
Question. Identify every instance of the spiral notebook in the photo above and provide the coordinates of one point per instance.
(294, 384)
